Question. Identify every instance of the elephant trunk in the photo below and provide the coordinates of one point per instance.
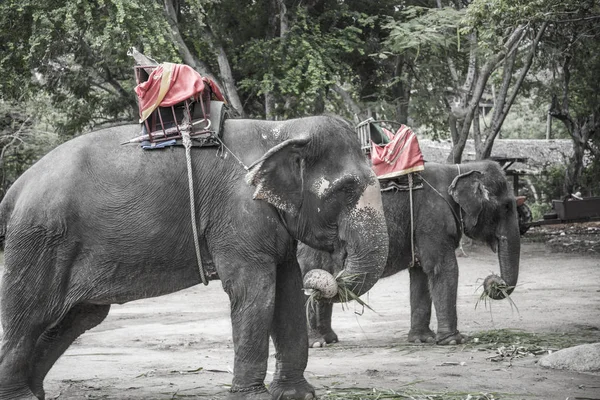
(364, 250)
(364, 232)
(509, 249)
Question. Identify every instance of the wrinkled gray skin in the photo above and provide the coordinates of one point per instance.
(480, 195)
(95, 223)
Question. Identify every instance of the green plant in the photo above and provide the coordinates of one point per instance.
(407, 393)
(538, 209)
(549, 183)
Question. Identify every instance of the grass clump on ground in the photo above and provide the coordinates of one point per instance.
(512, 344)
(411, 394)
(508, 337)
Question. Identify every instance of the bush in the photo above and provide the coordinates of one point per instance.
(549, 183)
(538, 209)
(590, 179)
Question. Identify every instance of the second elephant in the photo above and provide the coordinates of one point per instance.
(472, 198)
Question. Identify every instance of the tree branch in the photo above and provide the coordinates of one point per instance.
(470, 79)
(225, 70)
(188, 57)
(505, 107)
(348, 100)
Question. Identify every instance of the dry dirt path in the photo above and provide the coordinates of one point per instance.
(179, 346)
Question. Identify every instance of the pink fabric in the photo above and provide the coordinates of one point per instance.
(399, 157)
(184, 83)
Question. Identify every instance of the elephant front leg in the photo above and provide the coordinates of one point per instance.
(443, 283)
(290, 337)
(420, 307)
(252, 297)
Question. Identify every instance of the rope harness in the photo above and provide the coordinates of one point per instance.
(412, 222)
(187, 144)
(458, 218)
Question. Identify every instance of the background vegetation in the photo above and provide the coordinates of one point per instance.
(457, 69)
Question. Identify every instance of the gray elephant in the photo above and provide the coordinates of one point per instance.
(94, 223)
(473, 198)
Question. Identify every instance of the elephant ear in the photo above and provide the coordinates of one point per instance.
(278, 175)
(469, 191)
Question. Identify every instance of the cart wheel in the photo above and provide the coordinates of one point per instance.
(525, 218)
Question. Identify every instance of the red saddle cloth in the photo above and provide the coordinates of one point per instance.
(170, 84)
(400, 156)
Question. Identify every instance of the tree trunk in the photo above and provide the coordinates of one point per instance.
(479, 147)
(226, 74)
(502, 105)
(352, 105)
(228, 84)
(477, 80)
(401, 92)
(575, 166)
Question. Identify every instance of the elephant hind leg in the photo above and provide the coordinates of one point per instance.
(320, 332)
(27, 310)
(55, 341)
(16, 353)
(420, 307)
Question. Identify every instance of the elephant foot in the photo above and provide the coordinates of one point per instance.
(318, 339)
(251, 393)
(297, 390)
(17, 394)
(421, 336)
(38, 391)
(451, 338)
(40, 394)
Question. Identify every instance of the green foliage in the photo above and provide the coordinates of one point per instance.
(77, 54)
(434, 30)
(23, 141)
(300, 66)
(538, 209)
(395, 59)
(550, 183)
(527, 120)
(423, 40)
(590, 179)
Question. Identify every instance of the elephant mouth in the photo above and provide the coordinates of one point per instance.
(493, 244)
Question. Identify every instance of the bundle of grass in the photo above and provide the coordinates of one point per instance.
(321, 285)
(495, 288)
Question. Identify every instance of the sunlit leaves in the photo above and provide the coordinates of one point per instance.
(300, 66)
(424, 29)
(76, 51)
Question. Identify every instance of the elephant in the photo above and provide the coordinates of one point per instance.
(94, 223)
(471, 198)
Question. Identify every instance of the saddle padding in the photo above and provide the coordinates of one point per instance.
(219, 112)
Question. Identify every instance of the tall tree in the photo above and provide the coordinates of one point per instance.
(460, 49)
(573, 55)
(77, 53)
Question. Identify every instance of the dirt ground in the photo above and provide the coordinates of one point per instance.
(180, 346)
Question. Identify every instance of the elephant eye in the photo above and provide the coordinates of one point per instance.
(344, 191)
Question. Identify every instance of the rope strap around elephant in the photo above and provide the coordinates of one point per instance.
(457, 219)
(187, 144)
(412, 222)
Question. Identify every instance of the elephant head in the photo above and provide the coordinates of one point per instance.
(488, 211)
(327, 195)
